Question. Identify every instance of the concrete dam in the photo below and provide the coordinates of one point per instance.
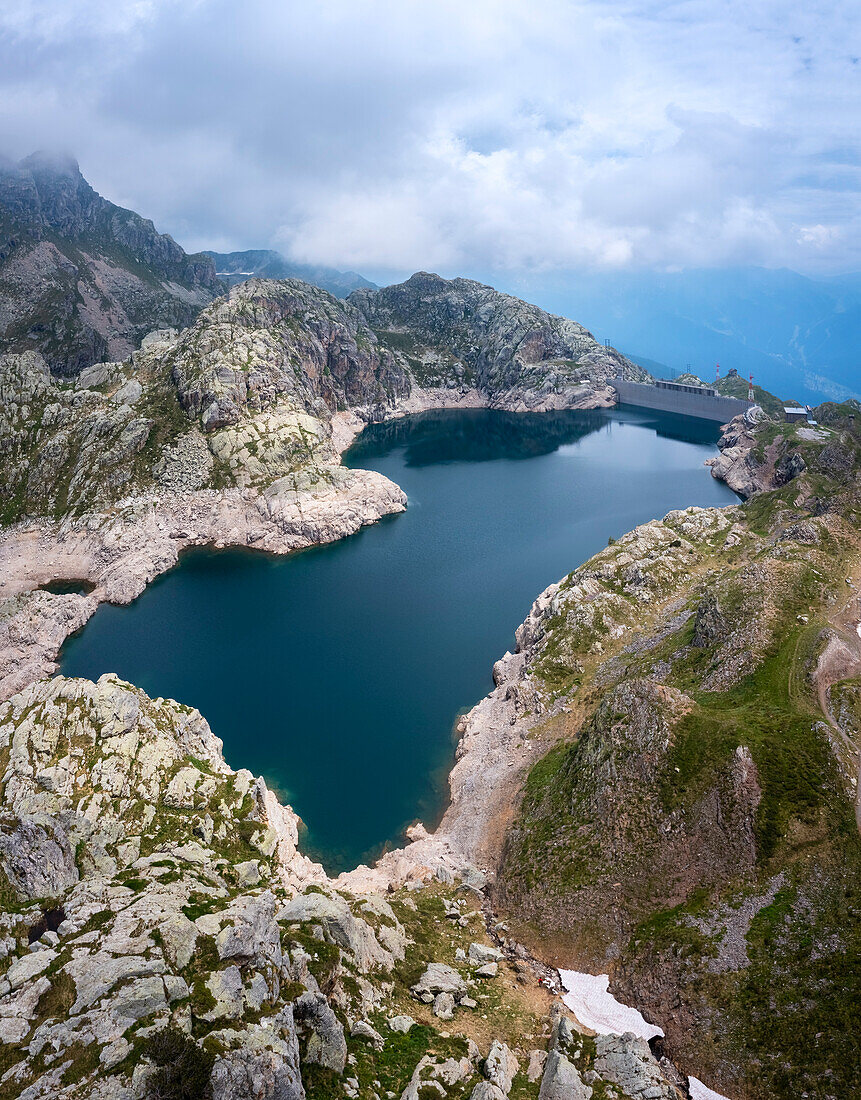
(675, 397)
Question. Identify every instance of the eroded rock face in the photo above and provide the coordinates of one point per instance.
(121, 813)
(519, 355)
(38, 859)
(63, 448)
(270, 1072)
(268, 342)
(627, 1061)
(71, 263)
(754, 460)
(500, 1066)
(326, 1043)
(561, 1080)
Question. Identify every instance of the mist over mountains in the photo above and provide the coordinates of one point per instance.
(83, 280)
(236, 267)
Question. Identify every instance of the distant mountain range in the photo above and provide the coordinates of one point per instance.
(83, 280)
(236, 267)
(798, 336)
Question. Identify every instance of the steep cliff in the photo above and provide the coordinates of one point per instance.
(83, 280)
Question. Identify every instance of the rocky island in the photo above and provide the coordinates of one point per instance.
(663, 785)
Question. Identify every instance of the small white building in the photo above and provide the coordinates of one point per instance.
(795, 412)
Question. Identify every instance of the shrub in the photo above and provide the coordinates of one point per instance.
(184, 1069)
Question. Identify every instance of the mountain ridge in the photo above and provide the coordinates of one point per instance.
(81, 279)
(265, 263)
(795, 333)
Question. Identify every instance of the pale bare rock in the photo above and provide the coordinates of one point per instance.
(121, 552)
(627, 1061)
(561, 1080)
(432, 1077)
(500, 1067)
(748, 466)
(271, 1071)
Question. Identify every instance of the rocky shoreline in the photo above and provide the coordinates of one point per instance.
(120, 552)
(230, 434)
(123, 553)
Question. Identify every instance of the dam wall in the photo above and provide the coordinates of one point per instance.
(683, 400)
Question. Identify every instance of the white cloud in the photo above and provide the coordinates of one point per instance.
(495, 134)
(819, 236)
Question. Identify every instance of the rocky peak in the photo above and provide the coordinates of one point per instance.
(83, 279)
(65, 199)
(496, 336)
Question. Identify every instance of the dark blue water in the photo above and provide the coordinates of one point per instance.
(338, 673)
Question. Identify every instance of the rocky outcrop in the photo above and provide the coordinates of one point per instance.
(129, 481)
(756, 455)
(160, 932)
(561, 1080)
(515, 353)
(82, 280)
(120, 811)
(626, 1061)
(65, 448)
(660, 840)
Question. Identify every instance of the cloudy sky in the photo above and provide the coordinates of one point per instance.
(458, 135)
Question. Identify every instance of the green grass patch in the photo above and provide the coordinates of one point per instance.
(56, 1001)
(765, 714)
(672, 928)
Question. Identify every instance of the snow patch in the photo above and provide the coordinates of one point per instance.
(699, 1091)
(589, 998)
